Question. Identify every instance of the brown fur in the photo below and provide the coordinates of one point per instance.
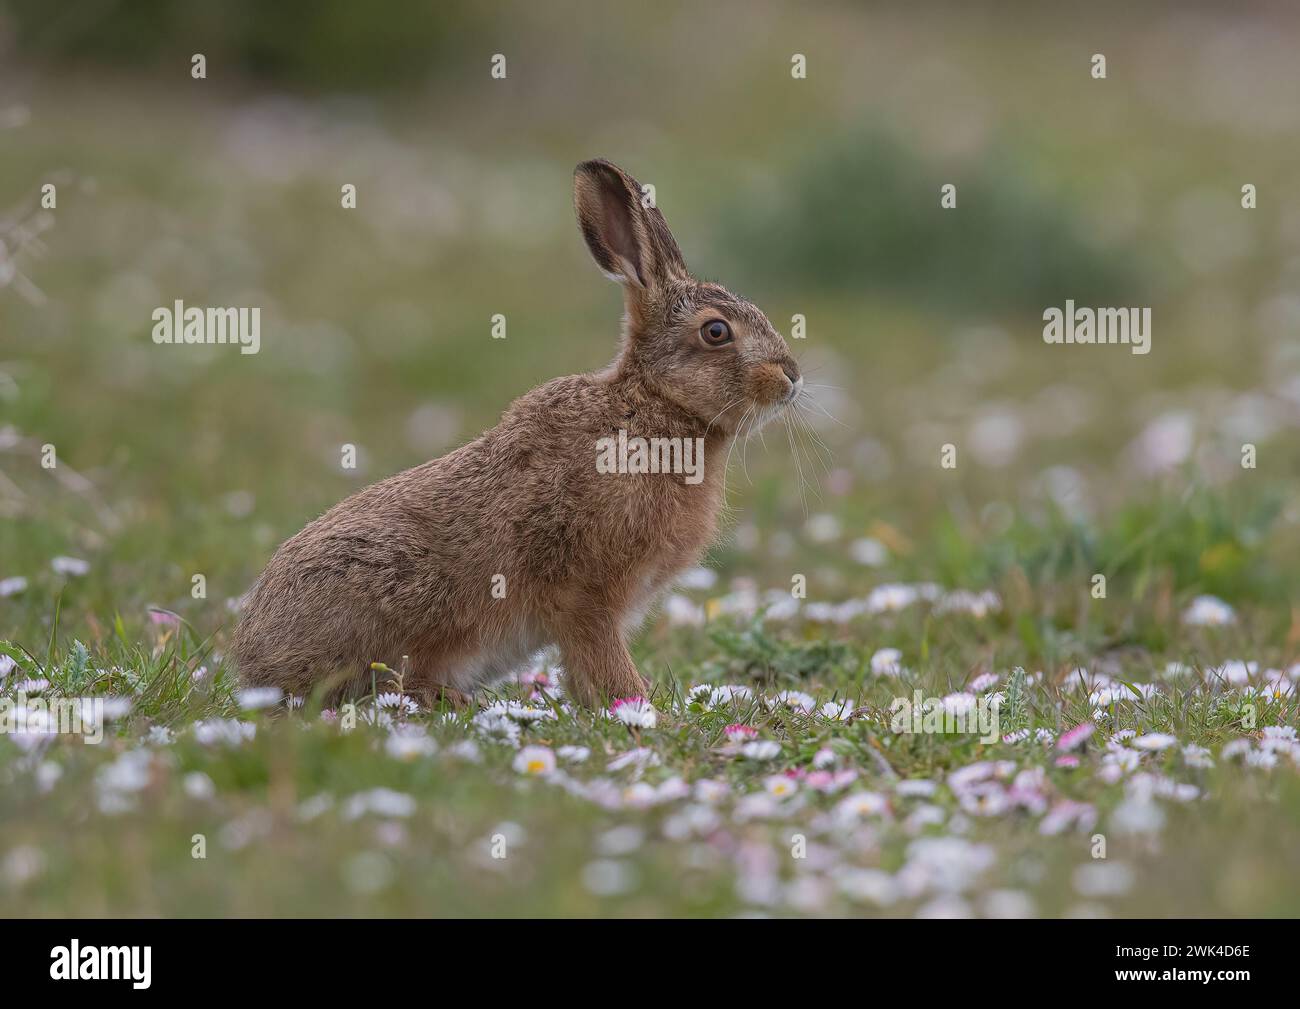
(405, 567)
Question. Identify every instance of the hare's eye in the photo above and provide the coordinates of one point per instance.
(715, 333)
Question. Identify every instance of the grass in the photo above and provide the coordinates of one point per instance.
(1072, 463)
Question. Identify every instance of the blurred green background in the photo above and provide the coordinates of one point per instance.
(817, 197)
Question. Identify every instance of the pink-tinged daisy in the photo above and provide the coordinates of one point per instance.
(535, 760)
(983, 682)
(971, 774)
(1072, 739)
(987, 799)
(830, 782)
(1066, 814)
(636, 712)
(740, 733)
(823, 758)
(1067, 760)
(163, 618)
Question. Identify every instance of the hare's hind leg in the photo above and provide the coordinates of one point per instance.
(597, 665)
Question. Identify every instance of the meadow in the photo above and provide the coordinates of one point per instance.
(1146, 760)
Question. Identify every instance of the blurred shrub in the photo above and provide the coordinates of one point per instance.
(862, 212)
(334, 44)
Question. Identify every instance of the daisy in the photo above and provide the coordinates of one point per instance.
(393, 701)
(830, 782)
(887, 662)
(1209, 611)
(225, 731)
(1266, 759)
(868, 551)
(1235, 748)
(535, 760)
(988, 799)
(740, 733)
(761, 749)
(636, 712)
(1066, 814)
(872, 886)
(837, 711)
(1075, 737)
(711, 791)
(983, 682)
(639, 758)
(496, 726)
(959, 703)
(1235, 672)
(199, 786)
(523, 713)
(780, 786)
(854, 807)
(253, 698)
(72, 566)
(573, 754)
(12, 586)
(409, 744)
(682, 611)
(1155, 741)
(1197, 756)
(380, 802)
(796, 699)
(701, 579)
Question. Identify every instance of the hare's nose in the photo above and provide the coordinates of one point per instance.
(791, 371)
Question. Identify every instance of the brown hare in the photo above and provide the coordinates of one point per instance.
(527, 537)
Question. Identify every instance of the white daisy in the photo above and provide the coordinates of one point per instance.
(535, 760)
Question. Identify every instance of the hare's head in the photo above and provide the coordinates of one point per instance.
(695, 343)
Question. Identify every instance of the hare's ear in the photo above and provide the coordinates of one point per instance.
(627, 236)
